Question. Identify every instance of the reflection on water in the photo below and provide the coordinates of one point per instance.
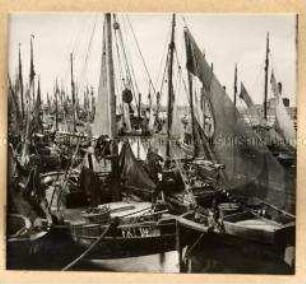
(163, 263)
(210, 256)
(218, 256)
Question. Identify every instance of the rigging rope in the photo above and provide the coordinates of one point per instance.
(99, 239)
(73, 47)
(164, 54)
(122, 79)
(180, 71)
(85, 66)
(141, 55)
(132, 83)
(164, 73)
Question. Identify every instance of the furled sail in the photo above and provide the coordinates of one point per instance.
(249, 166)
(283, 123)
(102, 121)
(244, 95)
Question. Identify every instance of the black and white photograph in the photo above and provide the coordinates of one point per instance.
(152, 142)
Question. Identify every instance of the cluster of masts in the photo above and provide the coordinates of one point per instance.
(26, 101)
(212, 113)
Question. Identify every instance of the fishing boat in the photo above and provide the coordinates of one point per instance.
(128, 112)
(251, 226)
(23, 241)
(28, 246)
(139, 230)
(272, 124)
(111, 209)
(121, 228)
(248, 170)
(165, 262)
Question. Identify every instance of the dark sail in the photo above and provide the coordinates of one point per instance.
(132, 173)
(244, 95)
(234, 144)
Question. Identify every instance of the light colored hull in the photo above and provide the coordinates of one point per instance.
(246, 226)
(159, 263)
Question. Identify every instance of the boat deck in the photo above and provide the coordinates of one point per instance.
(187, 223)
(73, 216)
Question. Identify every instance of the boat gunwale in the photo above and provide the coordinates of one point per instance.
(124, 238)
(147, 223)
(234, 223)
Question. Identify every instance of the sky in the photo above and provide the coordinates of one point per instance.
(225, 39)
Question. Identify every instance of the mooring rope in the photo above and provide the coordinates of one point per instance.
(87, 250)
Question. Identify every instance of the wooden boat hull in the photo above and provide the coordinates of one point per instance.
(50, 250)
(246, 226)
(126, 241)
(21, 250)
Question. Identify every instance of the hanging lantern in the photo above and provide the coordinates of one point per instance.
(127, 96)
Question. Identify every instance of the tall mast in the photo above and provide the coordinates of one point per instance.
(73, 92)
(39, 107)
(20, 79)
(170, 86)
(111, 78)
(56, 105)
(139, 106)
(48, 103)
(32, 72)
(92, 106)
(296, 49)
(266, 77)
(110, 70)
(235, 85)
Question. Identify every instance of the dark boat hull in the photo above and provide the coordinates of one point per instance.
(231, 254)
(50, 251)
(124, 247)
(126, 240)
